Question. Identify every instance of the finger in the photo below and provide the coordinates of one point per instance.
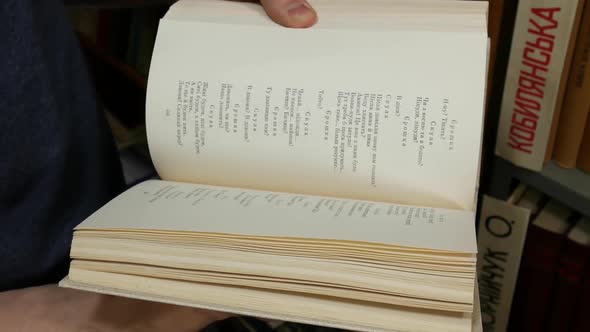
(290, 13)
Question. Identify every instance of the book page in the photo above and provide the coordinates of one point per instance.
(320, 311)
(392, 116)
(417, 15)
(171, 206)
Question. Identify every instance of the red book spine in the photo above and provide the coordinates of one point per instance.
(581, 319)
(570, 270)
(516, 321)
(546, 247)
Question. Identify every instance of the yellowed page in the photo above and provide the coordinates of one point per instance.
(322, 311)
(171, 206)
(415, 284)
(390, 116)
(271, 284)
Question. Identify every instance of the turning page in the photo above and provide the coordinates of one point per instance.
(184, 207)
(388, 114)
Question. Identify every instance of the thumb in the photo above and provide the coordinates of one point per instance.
(290, 13)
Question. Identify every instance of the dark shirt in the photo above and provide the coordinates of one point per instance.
(58, 163)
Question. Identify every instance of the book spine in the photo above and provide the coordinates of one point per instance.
(581, 321)
(535, 82)
(570, 269)
(501, 236)
(545, 250)
(516, 321)
(564, 77)
(583, 162)
(496, 19)
(577, 99)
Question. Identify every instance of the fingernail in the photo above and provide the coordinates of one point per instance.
(300, 10)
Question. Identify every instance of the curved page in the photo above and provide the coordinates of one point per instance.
(184, 207)
(392, 116)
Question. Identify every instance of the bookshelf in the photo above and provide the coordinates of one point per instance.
(569, 186)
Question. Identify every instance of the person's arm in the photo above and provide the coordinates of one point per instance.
(53, 309)
(50, 308)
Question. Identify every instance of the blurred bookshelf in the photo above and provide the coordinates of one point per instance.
(570, 186)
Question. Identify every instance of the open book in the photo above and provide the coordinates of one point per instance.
(324, 175)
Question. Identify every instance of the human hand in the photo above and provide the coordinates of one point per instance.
(290, 13)
(54, 309)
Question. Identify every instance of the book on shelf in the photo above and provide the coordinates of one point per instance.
(583, 158)
(580, 321)
(570, 273)
(532, 263)
(576, 105)
(542, 251)
(496, 20)
(326, 175)
(543, 43)
(501, 235)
